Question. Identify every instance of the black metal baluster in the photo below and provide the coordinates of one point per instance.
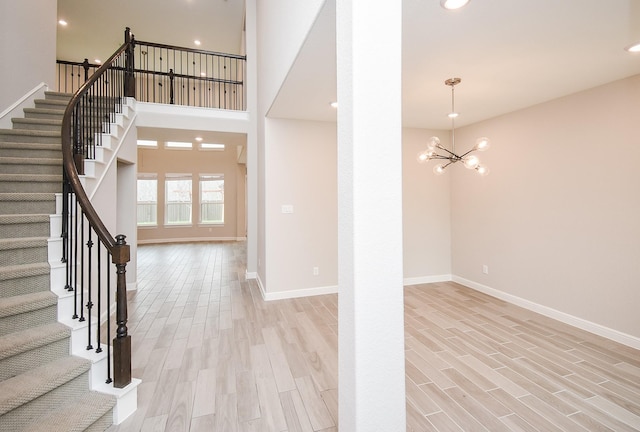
(171, 94)
(82, 318)
(109, 380)
(89, 286)
(75, 264)
(99, 313)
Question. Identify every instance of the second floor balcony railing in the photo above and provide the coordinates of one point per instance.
(173, 75)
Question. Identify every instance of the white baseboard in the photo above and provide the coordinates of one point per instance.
(250, 275)
(426, 279)
(305, 292)
(580, 323)
(189, 240)
(333, 289)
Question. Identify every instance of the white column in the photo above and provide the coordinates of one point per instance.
(371, 334)
(251, 90)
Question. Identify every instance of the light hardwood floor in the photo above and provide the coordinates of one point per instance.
(213, 356)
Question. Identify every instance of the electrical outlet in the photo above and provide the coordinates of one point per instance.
(287, 208)
(485, 269)
(316, 271)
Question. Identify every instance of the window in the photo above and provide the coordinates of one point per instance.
(178, 145)
(148, 143)
(147, 200)
(212, 198)
(178, 199)
(212, 146)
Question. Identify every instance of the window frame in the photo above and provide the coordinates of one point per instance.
(148, 177)
(177, 177)
(202, 203)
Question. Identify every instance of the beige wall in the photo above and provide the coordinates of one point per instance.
(558, 219)
(281, 28)
(426, 212)
(162, 161)
(29, 57)
(301, 170)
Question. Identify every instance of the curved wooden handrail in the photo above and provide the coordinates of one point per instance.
(117, 247)
(68, 160)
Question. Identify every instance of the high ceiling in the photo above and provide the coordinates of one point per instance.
(96, 28)
(510, 54)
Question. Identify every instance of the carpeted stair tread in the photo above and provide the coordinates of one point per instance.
(16, 203)
(34, 383)
(31, 177)
(34, 136)
(25, 242)
(8, 196)
(23, 250)
(31, 338)
(34, 133)
(23, 270)
(77, 416)
(27, 149)
(44, 111)
(51, 94)
(15, 305)
(61, 103)
(19, 225)
(29, 146)
(30, 183)
(24, 218)
(30, 161)
(36, 123)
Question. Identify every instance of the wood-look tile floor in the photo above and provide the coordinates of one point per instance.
(213, 356)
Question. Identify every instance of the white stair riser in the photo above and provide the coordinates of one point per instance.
(55, 222)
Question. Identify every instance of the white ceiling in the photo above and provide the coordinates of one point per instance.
(96, 28)
(510, 54)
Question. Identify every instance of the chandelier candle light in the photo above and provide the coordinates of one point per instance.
(435, 150)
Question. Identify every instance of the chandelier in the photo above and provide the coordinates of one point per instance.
(435, 150)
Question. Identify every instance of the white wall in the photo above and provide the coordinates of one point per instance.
(28, 57)
(301, 169)
(558, 219)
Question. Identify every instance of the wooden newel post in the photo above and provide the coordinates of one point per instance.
(129, 65)
(122, 341)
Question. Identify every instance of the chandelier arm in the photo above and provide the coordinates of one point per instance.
(464, 154)
(450, 152)
(451, 162)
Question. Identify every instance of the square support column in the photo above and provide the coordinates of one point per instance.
(370, 274)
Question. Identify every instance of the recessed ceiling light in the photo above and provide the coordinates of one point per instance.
(203, 74)
(62, 22)
(453, 115)
(334, 104)
(198, 138)
(98, 61)
(197, 42)
(453, 4)
(633, 48)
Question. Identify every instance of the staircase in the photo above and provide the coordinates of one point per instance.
(42, 386)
